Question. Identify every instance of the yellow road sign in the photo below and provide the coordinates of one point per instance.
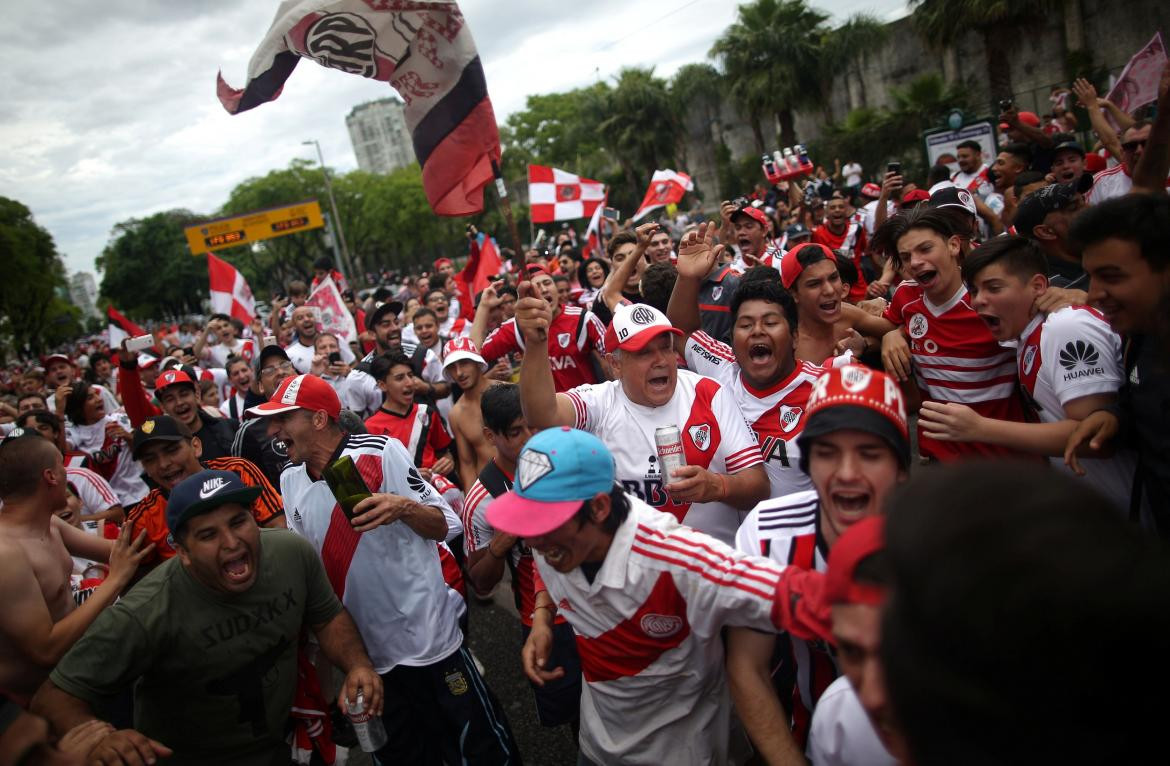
(253, 227)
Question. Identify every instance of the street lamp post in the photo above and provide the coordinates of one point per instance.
(345, 260)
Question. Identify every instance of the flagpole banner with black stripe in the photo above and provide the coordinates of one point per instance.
(424, 50)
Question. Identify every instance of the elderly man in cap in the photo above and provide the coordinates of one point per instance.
(647, 598)
(209, 640)
(383, 563)
(723, 475)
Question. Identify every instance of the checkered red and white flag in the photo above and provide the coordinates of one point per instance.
(666, 186)
(555, 195)
(230, 293)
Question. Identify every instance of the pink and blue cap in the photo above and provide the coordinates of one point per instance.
(558, 469)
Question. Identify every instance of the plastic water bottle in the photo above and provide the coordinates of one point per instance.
(371, 734)
(790, 160)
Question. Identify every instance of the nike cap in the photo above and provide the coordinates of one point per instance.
(204, 492)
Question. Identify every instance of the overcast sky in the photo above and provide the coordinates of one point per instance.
(109, 111)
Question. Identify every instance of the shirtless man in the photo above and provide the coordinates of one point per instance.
(40, 621)
(826, 324)
(463, 366)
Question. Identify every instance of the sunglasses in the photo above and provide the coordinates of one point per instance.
(1130, 146)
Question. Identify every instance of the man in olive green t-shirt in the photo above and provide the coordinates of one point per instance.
(209, 639)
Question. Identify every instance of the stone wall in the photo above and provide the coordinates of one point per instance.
(1113, 32)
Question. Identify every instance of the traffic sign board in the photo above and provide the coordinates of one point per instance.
(253, 227)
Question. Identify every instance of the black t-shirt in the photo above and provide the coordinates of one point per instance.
(1145, 403)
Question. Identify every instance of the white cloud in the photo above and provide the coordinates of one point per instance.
(109, 110)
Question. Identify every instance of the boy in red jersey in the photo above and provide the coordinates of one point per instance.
(418, 426)
(953, 355)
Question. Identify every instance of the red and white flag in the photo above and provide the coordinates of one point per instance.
(230, 293)
(483, 266)
(121, 328)
(666, 186)
(335, 317)
(1138, 83)
(592, 246)
(424, 49)
(555, 195)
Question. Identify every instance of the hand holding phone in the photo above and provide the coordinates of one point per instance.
(140, 343)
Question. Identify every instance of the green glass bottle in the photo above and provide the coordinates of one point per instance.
(346, 484)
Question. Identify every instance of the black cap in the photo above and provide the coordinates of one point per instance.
(1035, 207)
(953, 196)
(160, 428)
(204, 492)
(797, 230)
(380, 310)
(267, 353)
(1063, 141)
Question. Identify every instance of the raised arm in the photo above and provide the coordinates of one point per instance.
(543, 406)
(1087, 95)
(1149, 177)
(696, 258)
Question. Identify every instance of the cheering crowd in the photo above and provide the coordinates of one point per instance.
(848, 472)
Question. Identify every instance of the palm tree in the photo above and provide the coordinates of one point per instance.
(641, 128)
(943, 22)
(772, 57)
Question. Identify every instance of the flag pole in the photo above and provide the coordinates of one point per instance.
(506, 205)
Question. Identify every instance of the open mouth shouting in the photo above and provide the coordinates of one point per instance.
(829, 309)
(998, 330)
(926, 278)
(238, 570)
(658, 385)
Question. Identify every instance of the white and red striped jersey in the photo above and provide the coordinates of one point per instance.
(775, 415)
(94, 492)
(574, 334)
(1112, 182)
(389, 578)
(956, 359)
(976, 183)
(1064, 356)
(420, 429)
(110, 457)
(648, 633)
(714, 436)
(787, 531)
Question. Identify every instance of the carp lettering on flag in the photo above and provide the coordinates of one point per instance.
(1138, 83)
(335, 317)
(424, 49)
(230, 293)
(556, 195)
(666, 186)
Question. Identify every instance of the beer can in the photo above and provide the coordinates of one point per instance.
(371, 734)
(668, 440)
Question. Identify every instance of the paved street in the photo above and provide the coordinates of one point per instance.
(495, 641)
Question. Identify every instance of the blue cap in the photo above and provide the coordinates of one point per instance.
(558, 469)
(204, 492)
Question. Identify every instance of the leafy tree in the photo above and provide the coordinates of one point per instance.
(640, 129)
(943, 22)
(148, 271)
(843, 50)
(697, 91)
(36, 315)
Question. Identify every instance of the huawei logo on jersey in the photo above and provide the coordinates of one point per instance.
(789, 417)
(660, 625)
(1078, 352)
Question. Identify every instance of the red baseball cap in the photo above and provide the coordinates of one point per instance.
(856, 398)
(916, 195)
(171, 378)
(440, 262)
(55, 358)
(859, 541)
(301, 392)
(790, 265)
(754, 213)
(634, 325)
(1094, 163)
(871, 190)
(1028, 118)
